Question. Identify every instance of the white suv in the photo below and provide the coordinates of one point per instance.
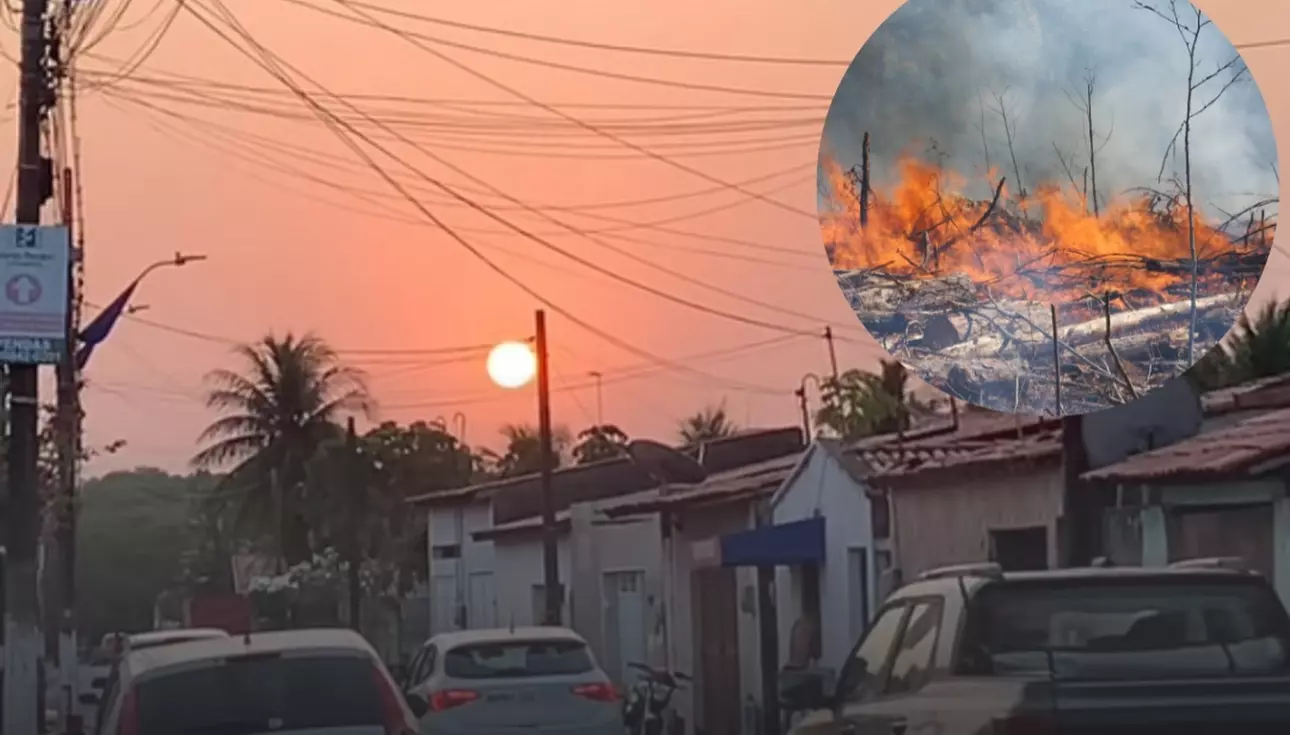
(304, 682)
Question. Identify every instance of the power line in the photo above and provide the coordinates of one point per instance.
(693, 86)
(175, 80)
(412, 39)
(677, 53)
(238, 143)
(217, 339)
(610, 273)
(339, 127)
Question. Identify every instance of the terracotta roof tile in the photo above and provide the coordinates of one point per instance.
(1238, 450)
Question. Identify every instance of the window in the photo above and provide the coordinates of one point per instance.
(862, 675)
(1100, 629)
(446, 551)
(912, 667)
(410, 675)
(260, 694)
(522, 659)
(421, 667)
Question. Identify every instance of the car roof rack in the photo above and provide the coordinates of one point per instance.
(1234, 563)
(985, 569)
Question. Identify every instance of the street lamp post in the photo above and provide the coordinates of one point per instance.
(512, 365)
(69, 449)
(801, 397)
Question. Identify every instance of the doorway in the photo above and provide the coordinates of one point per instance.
(716, 591)
(625, 624)
(1020, 549)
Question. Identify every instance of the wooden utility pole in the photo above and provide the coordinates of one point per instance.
(23, 639)
(357, 515)
(833, 354)
(69, 449)
(554, 594)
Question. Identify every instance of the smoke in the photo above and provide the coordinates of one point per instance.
(935, 70)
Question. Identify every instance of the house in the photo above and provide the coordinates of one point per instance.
(956, 501)
(704, 616)
(477, 582)
(485, 541)
(1220, 493)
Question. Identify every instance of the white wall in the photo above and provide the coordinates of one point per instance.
(449, 578)
(823, 487)
(701, 526)
(517, 564)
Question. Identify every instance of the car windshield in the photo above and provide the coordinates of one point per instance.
(517, 659)
(1112, 630)
(262, 694)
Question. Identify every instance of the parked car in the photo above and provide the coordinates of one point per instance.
(1201, 647)
(486, 682)
(305, 682)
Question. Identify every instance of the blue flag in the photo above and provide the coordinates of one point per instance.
(101, 326)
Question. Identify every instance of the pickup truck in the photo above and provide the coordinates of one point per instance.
(1197, 648)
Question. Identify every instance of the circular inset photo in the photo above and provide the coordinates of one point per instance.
(1048, 206)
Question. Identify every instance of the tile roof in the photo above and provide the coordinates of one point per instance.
(1241, 450)
(1265, 393)
(746, 483)
(894, 465)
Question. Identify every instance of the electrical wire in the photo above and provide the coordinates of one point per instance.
(693, 86)
(418, 43)
(340, 128)
(523, 232)
(676, 53)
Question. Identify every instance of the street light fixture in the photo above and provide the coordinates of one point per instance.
(99, 327)
(514, 365)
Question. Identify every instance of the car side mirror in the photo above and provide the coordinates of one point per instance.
(89, 699)
(417, 704)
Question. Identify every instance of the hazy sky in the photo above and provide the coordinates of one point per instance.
(281, 259)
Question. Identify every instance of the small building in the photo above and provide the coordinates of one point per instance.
(976, 494)
(1220, 493)
(485, 543)
(705, 618)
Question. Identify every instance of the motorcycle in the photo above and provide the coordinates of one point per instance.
(647, 706)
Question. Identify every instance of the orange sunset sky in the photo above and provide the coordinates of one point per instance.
(286, 254)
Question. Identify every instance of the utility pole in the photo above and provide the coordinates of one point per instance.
(357, 493)
(69, 449)
(600, 398)
(23, 640)
(806, 412)
(550, 542)
(833, 353)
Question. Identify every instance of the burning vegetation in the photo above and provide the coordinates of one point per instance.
(1052, 300)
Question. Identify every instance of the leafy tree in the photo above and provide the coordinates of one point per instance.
(131, 536)
(523, 452)
(859, 403)
(285, 404)
(599, 442)
(712, 422)
(1259, 347)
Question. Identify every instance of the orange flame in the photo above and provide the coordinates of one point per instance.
(1046, 247)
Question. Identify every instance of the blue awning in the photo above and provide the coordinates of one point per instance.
(785, 544)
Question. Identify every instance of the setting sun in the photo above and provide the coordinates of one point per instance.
(511, 364)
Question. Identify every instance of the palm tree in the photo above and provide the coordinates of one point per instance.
(523, 452)
(274, 416)
(710, 423)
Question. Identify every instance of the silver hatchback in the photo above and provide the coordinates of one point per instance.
(495, 682)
